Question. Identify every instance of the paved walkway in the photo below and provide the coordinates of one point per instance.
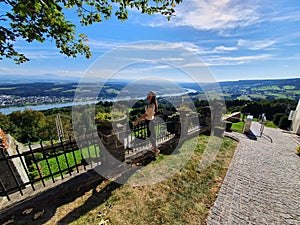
(262, 185)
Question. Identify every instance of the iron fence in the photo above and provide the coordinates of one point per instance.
(58, 160)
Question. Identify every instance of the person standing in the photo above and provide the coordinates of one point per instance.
(148, 116)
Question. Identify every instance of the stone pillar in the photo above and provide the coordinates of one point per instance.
(112, 136)
(247, 126)
(178, 123)
(184, 122)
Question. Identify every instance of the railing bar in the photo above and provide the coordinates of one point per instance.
(82, 157)
(58, 172)
(56, 159)
(16, 156)
(12, 171)
(24, 166)
(22, 185)
(65, 154)
(4, 189)
(89, 152)
(73, 153)
(97, 151)
(47, 162)
(128, 139)
(35, 162)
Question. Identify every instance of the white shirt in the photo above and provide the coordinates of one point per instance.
(150, 112)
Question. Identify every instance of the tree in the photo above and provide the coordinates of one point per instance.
(50, 130)
(5, 123)
(39, 20)
(28, 125)
(277, 118)
(284, 123)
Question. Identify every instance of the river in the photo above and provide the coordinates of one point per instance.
(8, 110)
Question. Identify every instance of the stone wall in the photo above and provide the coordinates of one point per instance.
(12, 167)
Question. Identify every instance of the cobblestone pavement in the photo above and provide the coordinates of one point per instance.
(262, 185)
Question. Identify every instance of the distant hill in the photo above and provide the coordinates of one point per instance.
(43, 78)
(262, 89)
(255, 89)
(66, 87)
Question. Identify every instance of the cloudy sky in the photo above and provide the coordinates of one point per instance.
(235, 39)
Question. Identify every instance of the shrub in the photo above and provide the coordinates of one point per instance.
(109, 116)
(33, 172)
(37, 156)
(284, 123)
(298, 150)
(277, 118)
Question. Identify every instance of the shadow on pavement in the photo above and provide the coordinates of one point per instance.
(251, 135)
(42, 208)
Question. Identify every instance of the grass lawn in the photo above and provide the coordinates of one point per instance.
(270, 124)
(62, 163)
(185, 197)
(238, 127)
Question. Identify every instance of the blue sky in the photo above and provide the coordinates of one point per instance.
(236, 39)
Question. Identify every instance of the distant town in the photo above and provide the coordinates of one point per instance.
(10, 100)
(28, 94)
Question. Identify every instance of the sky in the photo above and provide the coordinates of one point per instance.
(233, 39)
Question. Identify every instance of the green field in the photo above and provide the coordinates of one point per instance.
(289, 87)
(266, 88)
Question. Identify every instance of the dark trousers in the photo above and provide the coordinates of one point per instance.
(151, 134)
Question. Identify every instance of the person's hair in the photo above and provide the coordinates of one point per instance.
(154, 101)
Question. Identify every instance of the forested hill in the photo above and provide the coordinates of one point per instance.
(241, 90)
(253, 83)
(256, 89)
(262, 89)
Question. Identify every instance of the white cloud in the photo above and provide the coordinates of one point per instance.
(172, 59)
(223, 48)
(164, 46)
(216, 15)
(293, 16)
(37, 51)
(218, 61)
(195, 64)
(256, 45)
(97, 45)
(9, 71)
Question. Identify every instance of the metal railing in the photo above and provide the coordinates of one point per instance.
(65, 158)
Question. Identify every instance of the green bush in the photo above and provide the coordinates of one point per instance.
(277, 118)
(284, 123)
(33, 172)
(37, 156)
(298, 150)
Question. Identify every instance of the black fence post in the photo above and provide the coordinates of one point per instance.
(65, 154)
(24, 166)
(36, 164)
(4, 190)
(88, 149)
(73, 151)
(47, 162)
(56, 158)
